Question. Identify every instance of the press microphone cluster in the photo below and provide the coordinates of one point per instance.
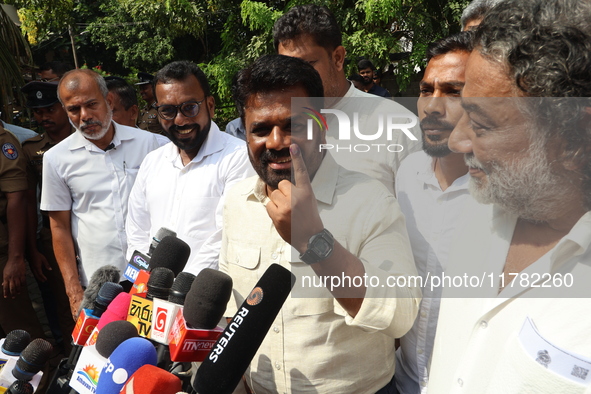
(140, 261)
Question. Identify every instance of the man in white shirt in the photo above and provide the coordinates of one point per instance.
(87, 179)
(523, 328)
(311, 33)
(182, 185)
(432, 190)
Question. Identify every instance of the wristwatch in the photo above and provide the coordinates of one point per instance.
(320, 247)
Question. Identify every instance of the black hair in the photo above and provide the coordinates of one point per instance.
(58, 68)
(365, 63)
(355, 77)
(125, 91)
(462, 41)
(271, 73)
(316, 21)
(179, 71)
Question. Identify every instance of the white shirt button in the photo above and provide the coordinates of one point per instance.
(460, 382)
(277, 366)
(423, 314)
(483, 324)
(420, 351)
(276, 329)
(274, 256)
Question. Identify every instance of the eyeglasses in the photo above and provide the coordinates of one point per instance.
(169, 111)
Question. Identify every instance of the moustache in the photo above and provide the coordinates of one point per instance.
(85, 125)
(273, 155)
(176, 128)
(473, 162)
(432, 123)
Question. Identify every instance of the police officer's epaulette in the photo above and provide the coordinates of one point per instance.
(34, 139)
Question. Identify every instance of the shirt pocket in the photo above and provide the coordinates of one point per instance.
(517, 372)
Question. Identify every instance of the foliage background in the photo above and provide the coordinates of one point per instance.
(123, 37)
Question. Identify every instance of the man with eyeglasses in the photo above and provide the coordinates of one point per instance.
(182, 185)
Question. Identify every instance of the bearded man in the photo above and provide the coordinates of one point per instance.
(87, 179)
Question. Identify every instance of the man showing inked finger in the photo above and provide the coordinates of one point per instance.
(323, 222)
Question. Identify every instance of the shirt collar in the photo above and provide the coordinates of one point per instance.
(324, 183)
(426, 174)
(212, 144)
(121, 134)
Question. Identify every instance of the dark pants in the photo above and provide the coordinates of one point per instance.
(390, 388)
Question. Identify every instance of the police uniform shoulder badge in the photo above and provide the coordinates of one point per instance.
(9, 151)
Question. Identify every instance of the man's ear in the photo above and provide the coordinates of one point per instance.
(338, 57)
(109, 100)
(135, 111)
(210, 104)
(580, 156)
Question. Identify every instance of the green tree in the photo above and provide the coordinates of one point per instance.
(14, 55)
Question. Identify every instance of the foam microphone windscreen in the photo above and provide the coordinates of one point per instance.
(160, 282)
(113, 335)
(16, 341)
(124, 361)
(180, 288)
(106, 273)
(117, 310)
(152, 380)
(172, 253)
(32, 359)
(20, 387)
(207, 299)
(105, 295)
(225, 364)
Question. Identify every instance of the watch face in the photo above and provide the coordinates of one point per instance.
(321, 247)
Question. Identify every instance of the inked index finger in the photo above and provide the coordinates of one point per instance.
(300, 172)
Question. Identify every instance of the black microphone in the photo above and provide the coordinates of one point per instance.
(160, 282)
(32, 359)
(180, 288)
(113, 335)
(106, 294)
(222, 369)
(15, 342)
(172, 253)
(160, 234)
(20, 387)
(207, 299)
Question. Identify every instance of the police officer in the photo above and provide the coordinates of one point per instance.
(16, 310)
(148, 119)
(51, 116)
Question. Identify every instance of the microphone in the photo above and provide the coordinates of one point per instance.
(172, 253)
(114, 334)
(194, 330)
(15, 342)
(160, 234)
(160, 282)
(117, 310)
(32, 359)
(152, 380)
(27, 366)
(221, 371)
(124, 361)
(20, 387)
(105, 295)
(86, 374)
(164, 312)
(207, 299)
(140, 309)
(104, 274)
